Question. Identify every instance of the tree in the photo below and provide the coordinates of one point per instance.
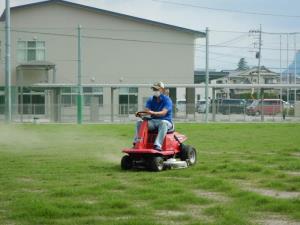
(242, 65)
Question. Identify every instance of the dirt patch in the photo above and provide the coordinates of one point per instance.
(277, 220)
(276, 194)
(169, 213)
(216, 196)
(293, 173)
(192, 211)
(177, 178)
(90, 201)
(270, 192)
(297, 154)
(196, 212)
(25, 179)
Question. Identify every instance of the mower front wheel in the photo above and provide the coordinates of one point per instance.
(156, 164)
(188, 154)
(126, 163)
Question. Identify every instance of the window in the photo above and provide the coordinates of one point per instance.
(91, 95)
(128, 99)
(31, 51)
(68, 96)
(33, 101)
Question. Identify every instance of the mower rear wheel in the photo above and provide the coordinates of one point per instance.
(188, 154)
(156, 164)
(126, 163)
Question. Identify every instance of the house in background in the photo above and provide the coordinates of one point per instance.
(249, 76)
(116, 49)
(214, 76)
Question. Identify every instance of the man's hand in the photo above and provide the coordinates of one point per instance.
(137, 114)
(152, 113)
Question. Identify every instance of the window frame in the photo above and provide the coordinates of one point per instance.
(25, 49)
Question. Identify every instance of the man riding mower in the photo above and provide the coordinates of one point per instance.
(156, 145)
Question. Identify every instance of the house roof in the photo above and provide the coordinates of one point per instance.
(242, 73)
(199, 76)
(102, 11)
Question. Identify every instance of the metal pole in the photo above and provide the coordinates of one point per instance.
(112, 104)
(207, 74)
(79, 84)
(8, 106)
(280, 64)
(213, 105)
(287, 68)
(295, 69)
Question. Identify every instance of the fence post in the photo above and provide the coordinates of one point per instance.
(79, 84)
(207, 73)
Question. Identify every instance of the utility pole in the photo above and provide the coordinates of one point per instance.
(259, 54)
(207, 75)
(260, 92)
(8, 107)
(79, 81)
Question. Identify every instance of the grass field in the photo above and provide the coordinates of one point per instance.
(69, 174)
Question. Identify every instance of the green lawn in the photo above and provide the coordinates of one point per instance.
(69, 174)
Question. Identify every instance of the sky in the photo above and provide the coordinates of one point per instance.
(228, 44)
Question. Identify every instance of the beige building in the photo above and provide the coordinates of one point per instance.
(116, 49)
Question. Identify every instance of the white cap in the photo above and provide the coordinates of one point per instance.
(158, 85)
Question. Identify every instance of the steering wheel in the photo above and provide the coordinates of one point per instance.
(143, 115)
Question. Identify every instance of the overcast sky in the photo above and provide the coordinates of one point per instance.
(198, 18)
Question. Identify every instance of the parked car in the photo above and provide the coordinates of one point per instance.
(201, 106)
(181, 105)
(267, 107)
(228, 106)
(249, 102)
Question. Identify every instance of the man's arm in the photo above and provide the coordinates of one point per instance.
(160, 113)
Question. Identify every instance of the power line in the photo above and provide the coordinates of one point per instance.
(148, 31)
(143, 41)
(227, 10)
(232, 40)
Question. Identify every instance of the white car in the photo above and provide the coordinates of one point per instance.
(181, 105)
(201, 106)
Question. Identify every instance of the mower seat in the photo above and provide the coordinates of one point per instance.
(170, 131)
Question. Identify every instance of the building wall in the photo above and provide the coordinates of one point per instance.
(103, 60)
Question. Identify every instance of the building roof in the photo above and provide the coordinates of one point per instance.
(102, 11)
(199, 76)
(37, 64)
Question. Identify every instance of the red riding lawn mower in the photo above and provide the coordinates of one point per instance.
(174, 153)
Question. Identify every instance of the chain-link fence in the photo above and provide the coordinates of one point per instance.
(219, 111)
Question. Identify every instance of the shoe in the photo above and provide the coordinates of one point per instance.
(157, 148)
